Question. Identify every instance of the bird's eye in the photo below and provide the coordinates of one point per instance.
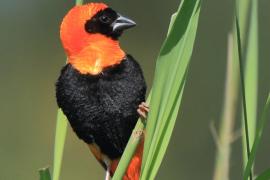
(105, 19)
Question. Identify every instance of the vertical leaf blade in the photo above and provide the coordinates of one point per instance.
(130, 148)
(178, 45)
(60, 136)
(251, 71)
(264, 175)
(171, 68)
(79, 2)
(258, 137)
(243, 91)
(249, 36)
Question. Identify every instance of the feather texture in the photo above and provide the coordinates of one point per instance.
(102, 109)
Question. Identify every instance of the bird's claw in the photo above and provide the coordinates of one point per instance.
(143, 110)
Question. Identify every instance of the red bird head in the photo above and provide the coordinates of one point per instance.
(89, 34)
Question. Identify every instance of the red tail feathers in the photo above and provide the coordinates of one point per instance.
(134, 168)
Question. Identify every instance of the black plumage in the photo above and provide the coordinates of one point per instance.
(102, 108)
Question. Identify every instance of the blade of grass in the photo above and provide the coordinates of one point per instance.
(251, 68)
(163, 68)
(134, 140)
(79, 2)
(171, 68)
(169, 30)
(228, 116)
(264, 175)
(168, 65)
(251, 71)
(129, 151)
(44, 174)
(243, 7)
(258, 137)
(131, 147)
(243, 91)
(163, 141)
(60, 136)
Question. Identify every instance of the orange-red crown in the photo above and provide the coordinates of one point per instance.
(72, 33)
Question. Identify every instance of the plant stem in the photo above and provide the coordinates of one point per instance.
(243, 86)
(79, 2)
(44, 174)
(224, 140)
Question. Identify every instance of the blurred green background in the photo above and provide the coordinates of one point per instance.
(31, 57)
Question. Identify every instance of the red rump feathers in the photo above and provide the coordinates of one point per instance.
(134, 168)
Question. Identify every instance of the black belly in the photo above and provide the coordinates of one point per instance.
(102, 109)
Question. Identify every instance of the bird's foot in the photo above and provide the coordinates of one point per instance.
(143, 110)
(107, 174)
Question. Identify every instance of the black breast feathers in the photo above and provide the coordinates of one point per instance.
(102, 109)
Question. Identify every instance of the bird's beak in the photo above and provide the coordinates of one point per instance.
(122, 23)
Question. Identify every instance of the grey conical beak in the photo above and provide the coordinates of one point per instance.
(122, 23)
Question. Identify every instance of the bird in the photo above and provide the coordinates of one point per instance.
(101, 89)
